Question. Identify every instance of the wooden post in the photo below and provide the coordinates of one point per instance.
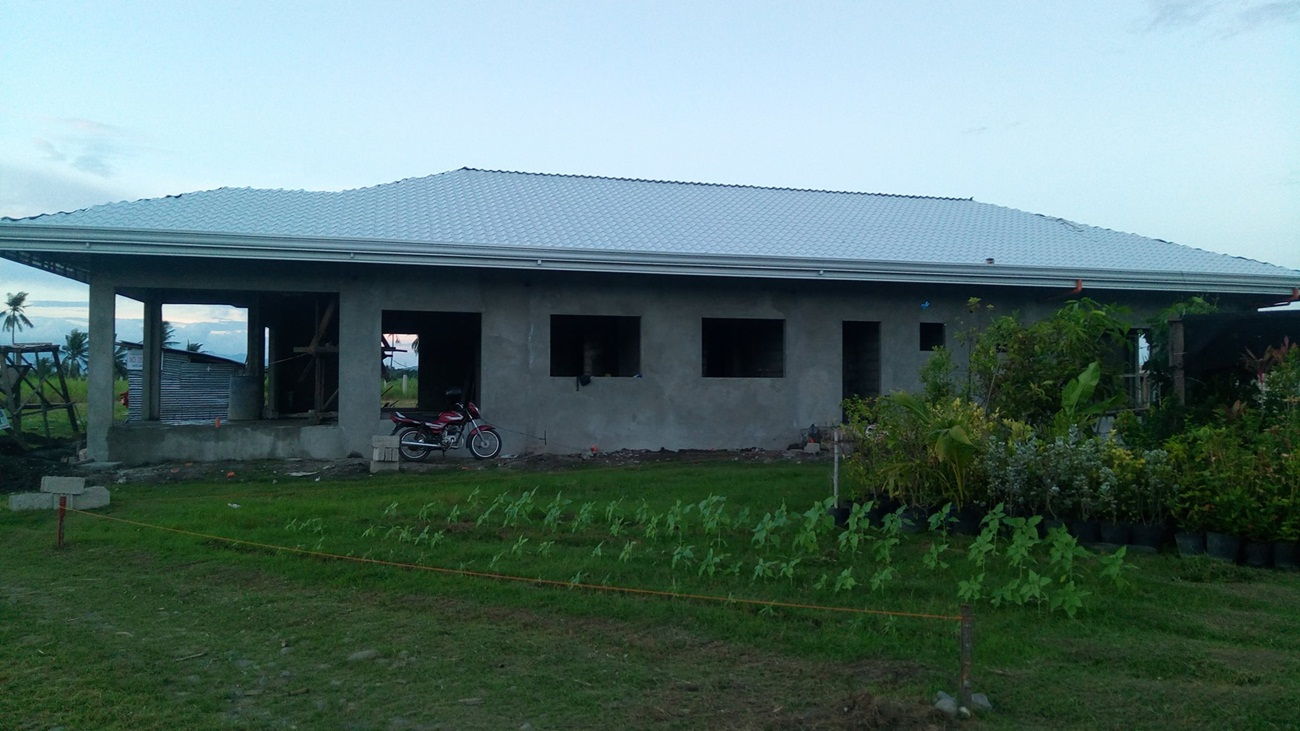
(835, 464)
(1176, 360)
(966, 648)
(63, 511)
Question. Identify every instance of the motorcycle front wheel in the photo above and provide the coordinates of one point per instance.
(413, 453)
(485, 445)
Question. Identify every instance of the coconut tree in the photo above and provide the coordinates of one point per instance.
(43, 369)
(119, 361)
(193, 347)
(14, 314)
(76, 353)
(168, 334)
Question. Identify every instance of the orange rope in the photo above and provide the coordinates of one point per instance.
(524, 579)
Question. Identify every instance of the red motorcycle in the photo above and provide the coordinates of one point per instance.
(459, 426)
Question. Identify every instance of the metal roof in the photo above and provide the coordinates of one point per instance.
(496, 218)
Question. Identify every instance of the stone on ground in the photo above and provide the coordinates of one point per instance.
(59, 485)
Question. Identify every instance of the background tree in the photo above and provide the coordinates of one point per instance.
(1021, 370)
(43, 369)
(119, 361)
(15, 317)
(168, 334)
(193, 347)
(76, 353)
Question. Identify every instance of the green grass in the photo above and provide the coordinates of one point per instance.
(114, 619)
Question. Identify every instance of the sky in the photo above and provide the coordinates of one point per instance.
(1174, 119)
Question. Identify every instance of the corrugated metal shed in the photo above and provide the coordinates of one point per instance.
(195, 386)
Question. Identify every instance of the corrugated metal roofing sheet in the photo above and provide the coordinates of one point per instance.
(567, 212)
(193, 388)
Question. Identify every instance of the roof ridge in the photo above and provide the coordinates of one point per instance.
(711, 185)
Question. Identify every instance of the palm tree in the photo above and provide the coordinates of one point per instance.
(43, 369)
(168, 334)
(119, 361)
(193, 347)
(15, 317)
(76, 353)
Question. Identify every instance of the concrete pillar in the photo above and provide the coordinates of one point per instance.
(151, 371)
(359, 372)
(99, 387)
(254, 363)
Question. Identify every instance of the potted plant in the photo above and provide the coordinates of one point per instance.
(1071, 469)
(1259, 524)
(1013, 477)
(1286, 549)
(1116, 493)
(1189, 498)
(1151, 501)
(1227, 520)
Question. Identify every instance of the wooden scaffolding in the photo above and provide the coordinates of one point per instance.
(24, 386)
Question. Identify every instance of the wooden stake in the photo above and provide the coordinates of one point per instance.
(835, 464)
(63, 511)
(966, 648)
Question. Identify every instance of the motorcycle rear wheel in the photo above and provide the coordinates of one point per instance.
(413, 434)
(485, 444)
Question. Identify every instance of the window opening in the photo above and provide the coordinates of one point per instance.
(595, 345)
(742, 348)
(931, 335)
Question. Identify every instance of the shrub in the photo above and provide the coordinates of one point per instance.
(919, 453)
(1021, 370)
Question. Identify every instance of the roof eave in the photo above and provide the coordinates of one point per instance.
(18, 238)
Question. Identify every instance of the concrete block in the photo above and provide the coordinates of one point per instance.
(94, 497)
(384, 450)
(812, 448)
(384, 466)
(32, 501)
(63, 485)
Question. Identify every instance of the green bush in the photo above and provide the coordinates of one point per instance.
(1021, 369)
(920, 453)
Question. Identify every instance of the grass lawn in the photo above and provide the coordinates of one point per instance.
(130, 626)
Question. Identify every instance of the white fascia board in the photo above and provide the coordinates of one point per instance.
(69, 239)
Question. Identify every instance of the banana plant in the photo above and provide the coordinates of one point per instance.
(1077, 405)
(948, 437)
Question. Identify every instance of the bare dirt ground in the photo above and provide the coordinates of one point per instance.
(21, 468)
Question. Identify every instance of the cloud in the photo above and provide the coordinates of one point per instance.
(59, 303)
(28, 192)
(85, 145)
(90, 126)
(1172, 14)
(980, 129)
(1274, 13)
(93, 164)
(1222, 18)
(51, 152)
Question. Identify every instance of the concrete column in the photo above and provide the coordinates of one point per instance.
(99, 387)
(151, 372)
(253, 364)
(359, 373)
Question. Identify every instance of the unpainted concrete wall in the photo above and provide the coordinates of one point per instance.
(670, 406)
(154, 442)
